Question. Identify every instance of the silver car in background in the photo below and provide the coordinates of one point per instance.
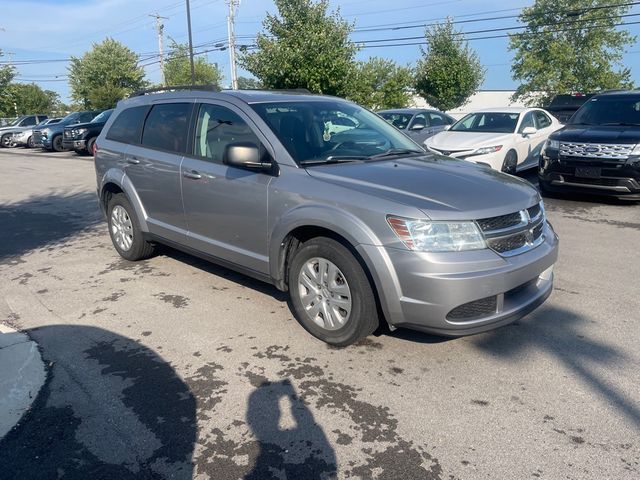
(24, 136)
(418, 123)
(360, 225)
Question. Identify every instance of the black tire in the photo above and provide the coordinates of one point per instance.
(30, 143)
(363, 319)
(140, 248)
(56, 144)
(510, 162)
(90, 143)
(5, 140)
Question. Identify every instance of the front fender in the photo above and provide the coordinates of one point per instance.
(119, 178)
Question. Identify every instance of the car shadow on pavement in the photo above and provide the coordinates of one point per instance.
(287, 450)
(557, 332)
(44, 221)
(111, 409)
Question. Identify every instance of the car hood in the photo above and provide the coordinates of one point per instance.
(443, 188)
(85, 125)
(466, 140)
(597, 134)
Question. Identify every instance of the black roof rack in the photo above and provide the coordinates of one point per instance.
(172, 88)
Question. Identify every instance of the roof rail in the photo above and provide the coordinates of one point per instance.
(173, 88)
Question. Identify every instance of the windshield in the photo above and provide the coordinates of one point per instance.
(487, 122)
(103, 117)
(70, 118)
(614, 110)
(14, 122)
(325, 131)
(398, 120)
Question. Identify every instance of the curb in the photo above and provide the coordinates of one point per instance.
(21, 376)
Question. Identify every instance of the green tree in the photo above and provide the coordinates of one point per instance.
(379, 83)
(570, 46)
(7, 73)
(177, 68)
(449, 71)
(303, 46)
(107, 73)
(30, 98)
(248, 83)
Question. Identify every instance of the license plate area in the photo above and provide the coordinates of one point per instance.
(588, 172)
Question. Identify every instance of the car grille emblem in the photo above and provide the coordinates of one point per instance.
(591, 149)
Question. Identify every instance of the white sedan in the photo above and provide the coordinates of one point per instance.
(506, 139)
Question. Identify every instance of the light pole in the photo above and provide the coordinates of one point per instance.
(193, 70)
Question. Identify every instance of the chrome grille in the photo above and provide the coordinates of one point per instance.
(596, 150)
(514, 233)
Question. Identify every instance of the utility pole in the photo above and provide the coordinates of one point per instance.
(160, 29)
(232, 41)
(193, 70)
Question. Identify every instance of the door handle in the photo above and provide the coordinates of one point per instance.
(133, 160)
(194, 175)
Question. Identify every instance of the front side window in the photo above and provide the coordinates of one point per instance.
(488, 122)
(28, 122)
(420, 119)
(216, 129)
(103, 117)
(438, 120)
(398, 120)
(166, 127)
(127, 127)
(307, 130)
(527, 121)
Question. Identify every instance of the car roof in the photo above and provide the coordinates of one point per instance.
(620, 93)
(505, 110)
(410, 111)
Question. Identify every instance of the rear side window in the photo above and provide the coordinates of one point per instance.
(166, 127)
(542, 120)
(29, 121)
(127, 127)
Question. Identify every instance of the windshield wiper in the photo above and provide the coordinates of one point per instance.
(396, 151)
(621, 124)
(334, 159)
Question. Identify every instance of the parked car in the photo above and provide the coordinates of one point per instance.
(23, 122)
(506, 139)
(82, 137)
(564, 106)
(417, 123)
(24, 137)
(598, 151)
(353, 224)
(50, 136)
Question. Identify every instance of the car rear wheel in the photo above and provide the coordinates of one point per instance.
(5, 140)
(56, 143)
(124, 230)
(510, 162)
(331, 295)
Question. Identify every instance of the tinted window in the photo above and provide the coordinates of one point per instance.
(542, 120)
(438, 120)
(166, 127)
(28, 122)
(398, 120)
(609, 110)
(527, 121)
(217, 127)
(127, 127)
(420, 119)
(103, 117)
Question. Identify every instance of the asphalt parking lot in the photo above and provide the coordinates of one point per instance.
(175, 368)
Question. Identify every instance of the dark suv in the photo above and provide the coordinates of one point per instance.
(50, 136)
(598, 151)
(356, 221)
(565, 105)
(82, 137)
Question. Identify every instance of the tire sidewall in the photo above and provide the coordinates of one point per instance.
(57, 140)
(30, 142)
(362, 300)
(89, 145)
(2, 140)
(138, 242)
(505, 166)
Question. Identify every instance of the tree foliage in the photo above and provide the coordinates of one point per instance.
(107, 73)
(30, 98)
(249, 83)
(303, 46)
(570, 46)
(177, 68)
(449, 71)
(7, 73)
(380, 83)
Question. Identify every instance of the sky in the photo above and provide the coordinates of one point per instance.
(50, 31)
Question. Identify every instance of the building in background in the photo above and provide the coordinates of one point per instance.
(480, 100)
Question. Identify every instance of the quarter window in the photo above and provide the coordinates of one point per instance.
(217, 128)
(127, 127)
(166, 127)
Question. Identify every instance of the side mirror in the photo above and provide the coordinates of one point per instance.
(447, 127)
(417, 126)
(246, 155)
(529, 131)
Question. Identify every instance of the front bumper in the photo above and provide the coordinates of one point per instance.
(461, 293)
(619, 179)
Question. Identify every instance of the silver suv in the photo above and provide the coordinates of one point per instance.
(359, 224)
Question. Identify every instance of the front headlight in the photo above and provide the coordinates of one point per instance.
(44, 133)
(487, 150)
(427, 236)
(79, 131)
(552, 144)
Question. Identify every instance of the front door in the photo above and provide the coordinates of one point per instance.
(225, 207)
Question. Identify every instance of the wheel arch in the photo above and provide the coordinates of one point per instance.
(115, 182)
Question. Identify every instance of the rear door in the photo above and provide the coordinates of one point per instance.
(225, 206)
(153, 166)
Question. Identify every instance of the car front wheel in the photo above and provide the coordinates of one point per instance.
(5, 141)
(125, 231)
(56, 143)
(510, 162)
(331, 295)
